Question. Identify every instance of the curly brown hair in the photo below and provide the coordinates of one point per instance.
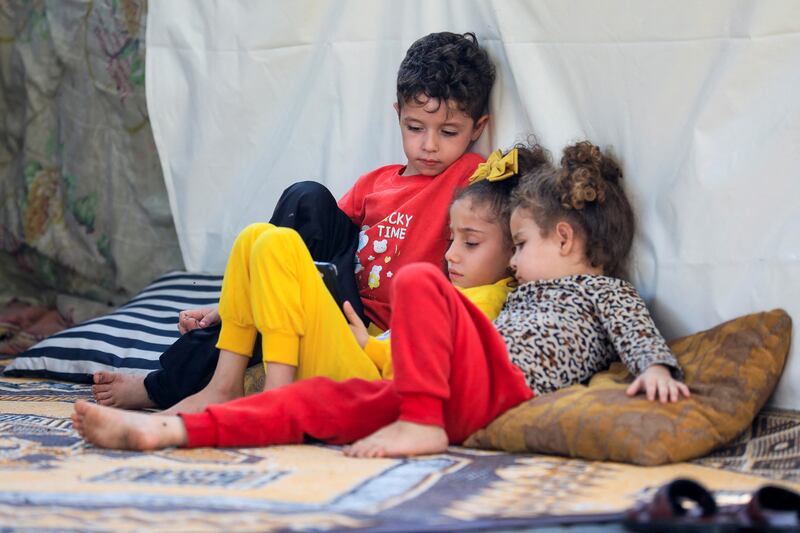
(586, 192)
(496, 195)
(450, 67)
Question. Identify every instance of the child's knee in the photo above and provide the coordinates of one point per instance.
(309, 193)
(276, 241)
(422, 276)
(252, 232)
(306, 187)
(249, 235)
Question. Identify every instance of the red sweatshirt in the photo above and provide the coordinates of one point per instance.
(403, 220)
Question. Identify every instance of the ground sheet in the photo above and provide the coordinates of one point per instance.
(50, 479)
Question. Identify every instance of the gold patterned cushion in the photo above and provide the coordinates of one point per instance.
(731, 370)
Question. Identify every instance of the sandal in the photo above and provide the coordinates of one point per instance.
(772, 508)
(684, 505)
(681, 505)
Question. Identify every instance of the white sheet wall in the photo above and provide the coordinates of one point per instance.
(698, 99)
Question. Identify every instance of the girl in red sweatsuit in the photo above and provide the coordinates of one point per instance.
(455, 371)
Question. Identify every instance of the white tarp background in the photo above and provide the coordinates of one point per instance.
(699, 100)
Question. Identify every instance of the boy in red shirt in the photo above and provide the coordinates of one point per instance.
(392, 216)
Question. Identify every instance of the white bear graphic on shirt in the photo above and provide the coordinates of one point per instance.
(374, 280)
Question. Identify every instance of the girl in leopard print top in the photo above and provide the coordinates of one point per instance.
(572, 315)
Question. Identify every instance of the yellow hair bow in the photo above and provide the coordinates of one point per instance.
(497, 167)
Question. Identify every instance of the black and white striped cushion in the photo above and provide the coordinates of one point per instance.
(130, 340)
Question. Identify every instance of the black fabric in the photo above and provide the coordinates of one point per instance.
(310, 209)
(187, 366)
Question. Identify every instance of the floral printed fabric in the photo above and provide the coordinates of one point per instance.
(83, 207)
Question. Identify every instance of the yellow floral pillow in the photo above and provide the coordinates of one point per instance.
(731, 370)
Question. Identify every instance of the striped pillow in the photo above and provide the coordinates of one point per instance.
(129, 340)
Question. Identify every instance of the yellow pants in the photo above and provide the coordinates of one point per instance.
(272, 286)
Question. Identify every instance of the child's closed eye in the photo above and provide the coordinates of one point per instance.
(449, 133)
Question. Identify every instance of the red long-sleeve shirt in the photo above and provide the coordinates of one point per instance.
(403, 219)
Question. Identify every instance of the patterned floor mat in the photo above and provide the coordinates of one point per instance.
(769, 448)
(49, 479)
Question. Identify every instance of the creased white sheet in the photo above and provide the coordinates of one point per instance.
(698, 100)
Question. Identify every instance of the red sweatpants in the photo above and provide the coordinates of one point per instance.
(451, 370)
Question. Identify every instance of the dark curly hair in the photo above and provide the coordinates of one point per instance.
(587, 193)
(449, 67)
(496, 195)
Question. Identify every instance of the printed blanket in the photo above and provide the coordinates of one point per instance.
(50, 479)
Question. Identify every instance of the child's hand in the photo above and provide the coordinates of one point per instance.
(657, 380)
(356, 325)
(197, 318)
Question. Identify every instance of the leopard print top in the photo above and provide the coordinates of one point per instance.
(561, 332)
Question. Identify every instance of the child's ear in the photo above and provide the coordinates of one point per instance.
(477, 129)
(566, 237)
(397, 108)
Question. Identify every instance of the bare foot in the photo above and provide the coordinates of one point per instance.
(107, 427)
(124, 391)
(196, 403)
(400, 439)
